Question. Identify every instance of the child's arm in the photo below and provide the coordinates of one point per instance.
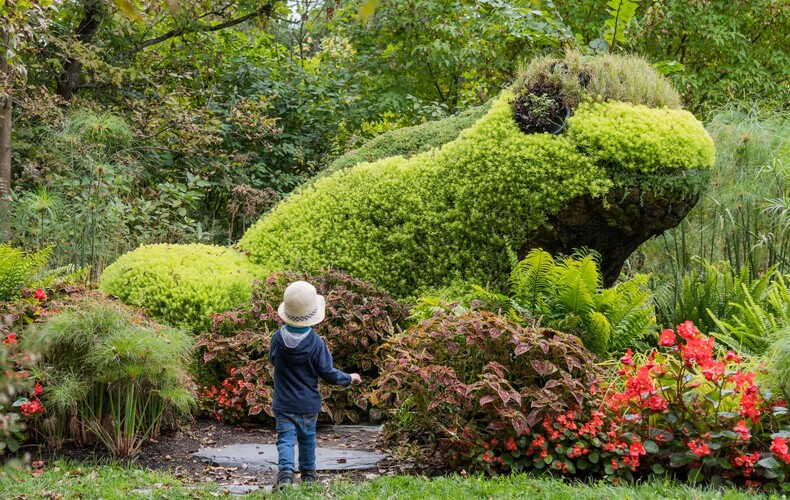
(326, 370)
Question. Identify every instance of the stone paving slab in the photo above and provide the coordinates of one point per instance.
(263, 457)
(352, 428)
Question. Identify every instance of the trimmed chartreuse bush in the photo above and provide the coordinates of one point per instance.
(183, 285)
(459, 212)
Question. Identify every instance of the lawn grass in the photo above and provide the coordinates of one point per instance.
(505, 487)
(85, 481)
(68, 480)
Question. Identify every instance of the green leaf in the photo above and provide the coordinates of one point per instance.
(769, 463)
(695, 475)
(593, 457)
(680, 459)
(657, 469)
(650, 446)
(621, 12)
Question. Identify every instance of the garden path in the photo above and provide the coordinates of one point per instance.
(243, 458)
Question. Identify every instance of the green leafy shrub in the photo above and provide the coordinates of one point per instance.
(235, 382)
(455, 380)
(568, 295)
(109, 374)
(456, 213)
(183, 285)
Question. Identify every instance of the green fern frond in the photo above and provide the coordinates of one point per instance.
(18, 269)
(531, 279)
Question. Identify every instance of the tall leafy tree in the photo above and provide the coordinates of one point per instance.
(18, 20)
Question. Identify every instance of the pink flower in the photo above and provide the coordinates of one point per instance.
(667, 338)
(732, 356)
(780, 449)
(742, 430)
(626, 359)
(699, 447)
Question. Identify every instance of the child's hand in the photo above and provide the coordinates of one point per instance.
(355, 378)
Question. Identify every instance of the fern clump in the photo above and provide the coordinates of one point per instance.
(18, 269)
(568, 294)
(182, 285)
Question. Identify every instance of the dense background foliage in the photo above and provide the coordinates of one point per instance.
(167, 122)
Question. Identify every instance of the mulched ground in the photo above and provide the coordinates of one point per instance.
(172, 452)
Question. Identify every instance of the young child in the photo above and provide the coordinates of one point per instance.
(299, 357)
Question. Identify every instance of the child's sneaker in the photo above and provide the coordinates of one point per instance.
(284, 480)
(309, 476)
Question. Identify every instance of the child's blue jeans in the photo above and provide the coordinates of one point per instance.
(292, 428)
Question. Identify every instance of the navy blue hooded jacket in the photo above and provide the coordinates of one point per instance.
(296, 372)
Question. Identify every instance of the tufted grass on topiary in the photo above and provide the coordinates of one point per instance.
(625, 78)
(182, 285)
(459, 212)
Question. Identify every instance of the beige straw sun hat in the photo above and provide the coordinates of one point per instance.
(302, 306)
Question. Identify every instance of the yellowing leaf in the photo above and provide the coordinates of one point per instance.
(175, 9)
(367, 9)
(128, 9)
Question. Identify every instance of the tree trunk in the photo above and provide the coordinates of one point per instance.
(69, 80)
(6, 78)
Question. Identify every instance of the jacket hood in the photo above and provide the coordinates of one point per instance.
(301, 343)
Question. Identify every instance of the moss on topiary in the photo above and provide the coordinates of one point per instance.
(183, 285)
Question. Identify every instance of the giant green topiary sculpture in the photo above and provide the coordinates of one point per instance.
(625, 166)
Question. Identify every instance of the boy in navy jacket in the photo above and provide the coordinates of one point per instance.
(299, 357)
